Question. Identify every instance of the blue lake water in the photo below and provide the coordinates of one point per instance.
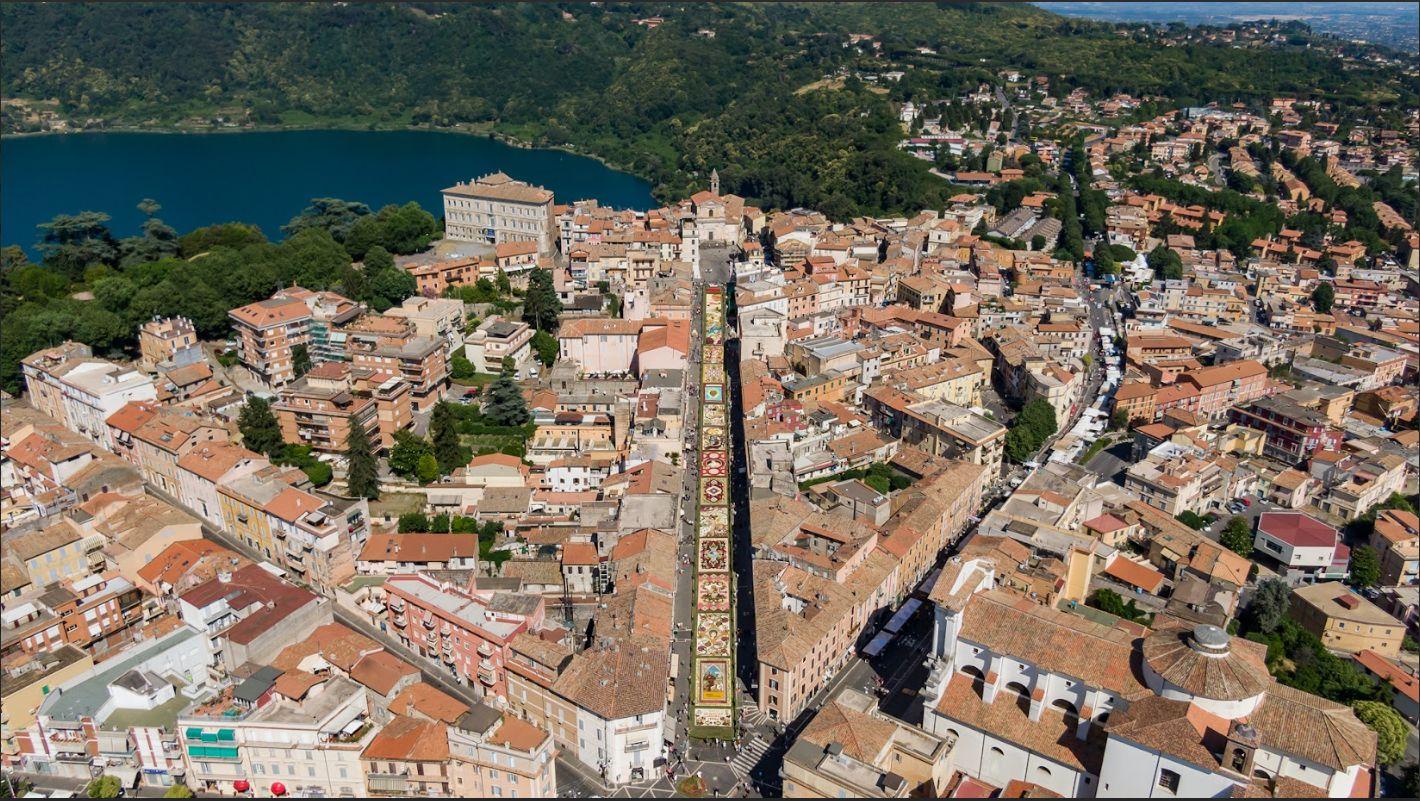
(265, 178)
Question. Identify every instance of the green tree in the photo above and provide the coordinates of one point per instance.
(377, 258)
(408, 450)
(1269, 605)
(1323, 297)
(546, 346)
(541, 306)
(1120, 419)
(505, 286)
(1237, 536)
(260, 430)
(413, 523)
(104, 787)
(179, 791)
(460, 368)
(300, 360)
(1390, 729)
(449, 453)
(328, 213)
(428, 468)
(362, 477)
(1365, 567)
(503, 403)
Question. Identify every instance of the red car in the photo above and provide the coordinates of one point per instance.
(1245, 501)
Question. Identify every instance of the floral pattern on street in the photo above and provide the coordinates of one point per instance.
(713, 636)
(713, 463)
(714, 555)
(714, 592)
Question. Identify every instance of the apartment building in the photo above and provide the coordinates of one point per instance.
(280, 733)
(441, 318)
(495, 755)
(466, 630)
(320, 408)
(1293, 432)
(849, 749)
(939, 429)
(1344, 621)
(119, 714)
(496, 339)
(496, 209)
(1396, 537)
(167, 341)
(249, 613)
(80, 392)
(600, 346)
(1305, 548)
(390, 345)
(607, 703)
(93, 612)
(62, 549)
(1181, 478)
(155, 438)
(268, 333)
(330, 312)
(319, 535)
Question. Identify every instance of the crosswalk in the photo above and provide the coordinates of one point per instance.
(750, 713)
(749, 756)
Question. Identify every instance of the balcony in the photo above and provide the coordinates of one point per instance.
(485, 649)
(487, 676)
(400, 620)
(396, 603)
(429, 623)
(446, 629)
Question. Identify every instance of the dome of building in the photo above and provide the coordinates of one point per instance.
(1206, 664)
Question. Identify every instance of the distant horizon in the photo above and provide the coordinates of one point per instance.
(1346, 20)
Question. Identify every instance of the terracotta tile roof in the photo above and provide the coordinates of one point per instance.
(863, 736)
(1297, 529)
(1054, 640)
(425, 700)
(213, 460)
(275, 311)
(406, 739)
(1135, 575)
(1313, 728)
(1404, 683)
(393, 547)
(1239, 674)
(177, 559)
(382, 671)
(1105, 523)
(518, 735)
(340, 646)
(1052, 736)
(622, 681)
(294, 684)
(252, 585)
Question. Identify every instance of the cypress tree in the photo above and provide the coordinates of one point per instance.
(363, 478)
(260, 430)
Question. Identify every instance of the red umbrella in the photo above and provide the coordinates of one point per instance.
(277, 788)
(241, 785)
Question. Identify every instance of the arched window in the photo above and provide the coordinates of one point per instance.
(952, 733)
(1239, 758)
(974, 672)
(1103, 718)
(1061, 703)
(1042, 771)
(998, 753)
(1018, 688)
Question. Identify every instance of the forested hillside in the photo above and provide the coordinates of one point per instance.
(667, 102)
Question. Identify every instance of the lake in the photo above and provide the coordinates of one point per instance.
(268, 177)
